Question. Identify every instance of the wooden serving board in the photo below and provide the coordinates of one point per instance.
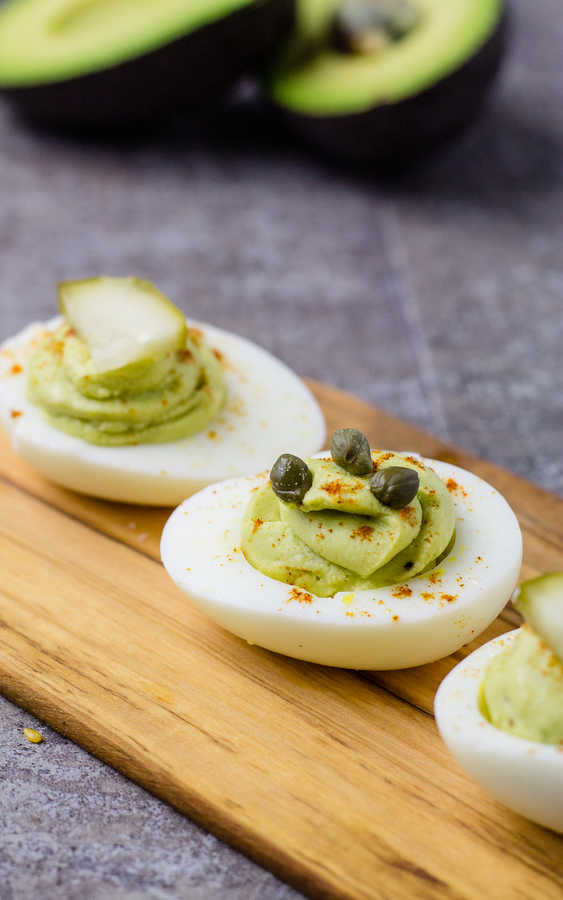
(337, 782)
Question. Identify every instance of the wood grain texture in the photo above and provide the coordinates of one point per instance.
(338, 783)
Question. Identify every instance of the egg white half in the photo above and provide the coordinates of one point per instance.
(394, 627)
(268, 410)
(526, 776)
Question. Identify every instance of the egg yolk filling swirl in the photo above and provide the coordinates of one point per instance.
(341, 537)
(149, 401)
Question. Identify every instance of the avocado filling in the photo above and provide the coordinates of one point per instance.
(522, 691)
(148, 401)
(340, 536)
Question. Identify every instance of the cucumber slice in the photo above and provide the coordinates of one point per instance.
(122, 320)
(540, 600)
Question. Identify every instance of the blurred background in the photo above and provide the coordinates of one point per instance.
(435, 293)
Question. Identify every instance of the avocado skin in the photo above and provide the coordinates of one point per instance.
(183, 73)
(395, 135)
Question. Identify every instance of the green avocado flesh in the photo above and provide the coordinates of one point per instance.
(148, 401)
(522, 691)
(341, 537)
(44, 41)
(313, 78)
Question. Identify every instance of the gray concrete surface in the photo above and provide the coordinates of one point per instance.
(438, 295)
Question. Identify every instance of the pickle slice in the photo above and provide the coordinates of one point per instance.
(540, 600)
(122, 320)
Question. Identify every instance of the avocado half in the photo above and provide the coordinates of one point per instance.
(128, 62)
(399, 102)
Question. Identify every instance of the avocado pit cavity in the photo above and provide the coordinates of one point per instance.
(366, 27)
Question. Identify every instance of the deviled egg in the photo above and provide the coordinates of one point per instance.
(500, 711)
(364, 559)
(122, 398)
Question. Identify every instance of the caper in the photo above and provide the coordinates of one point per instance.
(367, 26)
(349, 448)
(395, 486)
(290, 478)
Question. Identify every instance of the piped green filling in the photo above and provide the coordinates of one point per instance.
(522, 690)
(341, 537)
(149, 401)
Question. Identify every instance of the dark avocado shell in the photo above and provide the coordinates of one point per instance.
(395, 134)
(186, 72)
